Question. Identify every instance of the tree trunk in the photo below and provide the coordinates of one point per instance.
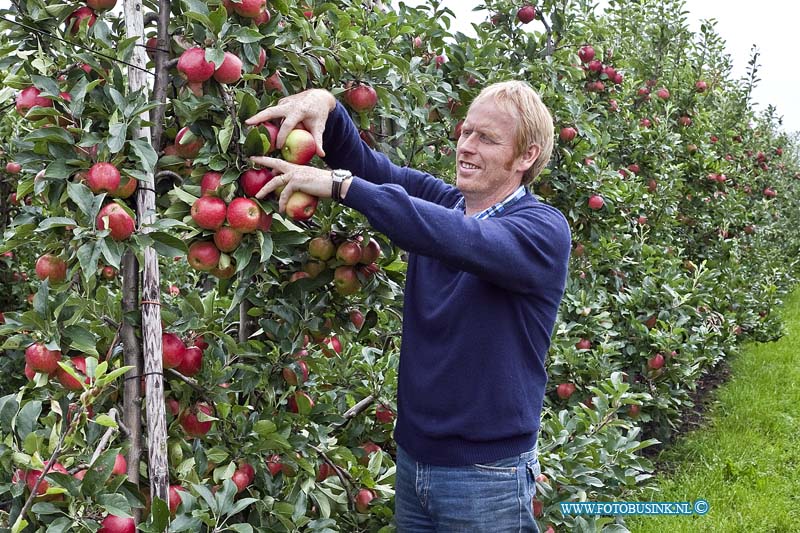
(151, 310)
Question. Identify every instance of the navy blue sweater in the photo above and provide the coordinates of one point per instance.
(481, 299)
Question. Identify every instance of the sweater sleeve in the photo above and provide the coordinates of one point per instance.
(344, 149)
(525, 250)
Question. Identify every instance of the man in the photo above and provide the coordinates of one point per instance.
(486, 272)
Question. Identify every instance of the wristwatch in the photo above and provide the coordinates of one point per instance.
(339, 176)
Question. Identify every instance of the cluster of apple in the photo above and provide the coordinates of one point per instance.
(349, 257)
(243, 215)
(596, 71)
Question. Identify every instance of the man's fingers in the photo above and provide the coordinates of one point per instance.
(278, 181)
(278, 165)
(264, 115)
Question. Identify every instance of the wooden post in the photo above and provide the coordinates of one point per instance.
(151, 310)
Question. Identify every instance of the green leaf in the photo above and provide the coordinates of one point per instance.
(83, 197)
(255, 143)
(266, 245)
(225, 135)
(50, 135)
(248, 35)
(114, 374)
(8, 409)
(105, 421)
(159, 513)
(60, 525)
(81, 339)
(115, 504)
(116, 140)
(168, 245)
(100, 471)
(145, 153)
(55, 222)
(28, 417)
(88, 256)
(248, 106)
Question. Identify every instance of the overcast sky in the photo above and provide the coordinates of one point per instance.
(769, 24)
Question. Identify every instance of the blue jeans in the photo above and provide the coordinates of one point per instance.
(495, 497)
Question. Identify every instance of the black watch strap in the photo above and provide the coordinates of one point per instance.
(336, 186)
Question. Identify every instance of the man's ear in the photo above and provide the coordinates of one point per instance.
(529, 157)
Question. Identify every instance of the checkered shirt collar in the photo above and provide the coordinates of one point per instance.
(497, 208)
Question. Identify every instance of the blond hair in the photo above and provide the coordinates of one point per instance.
(534, 124)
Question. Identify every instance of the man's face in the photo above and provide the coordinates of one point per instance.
(486, 168)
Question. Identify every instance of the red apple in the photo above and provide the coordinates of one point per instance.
(29, 98)
(384, 414)
(265, 221)
(596, 202)
(227, 239)
(210, 184)
(250, 8)
(209, 212)
(190, 423)
(174, 498)
(301, 206)
(292, 402)
(230, 71)
(100, 5)
(75, 19)
(193, 65)
(526, 14)
(274, 83)
(363, 498)
(120, 223)
(325, 471)
(13, 167)
(321, 248)
(244, 215)
(40, 359)
(253, 180)
(120, 465)
(368, 448)
(103, 177)
(173, 407)
(361, 98)
(656, 362)
(346, 281)
(584, 344)
(291, 377)
(586, 53)
(331, 346)
(356, 318)
(187, 144)
(203, 255)
(262, 55)
(127, 187)
(192, 361)
(51, 267)
(172, 349)
(69, 382)
(32, 476)
(349, 252)
(700, 86)
(299, 147)
(663, 93)
(567, 134)
(274, 465)
(565, 390)
(117, 524)
(248, 470)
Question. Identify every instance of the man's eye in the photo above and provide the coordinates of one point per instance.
(486, 139)
(465, 133)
